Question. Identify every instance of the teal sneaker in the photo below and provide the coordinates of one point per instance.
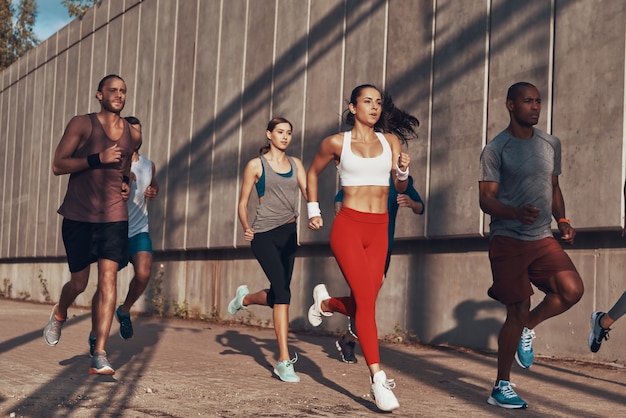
(504, 396)
(525, 355)
(285, 371)
(92, 344)
(236, 304)
(126, 326)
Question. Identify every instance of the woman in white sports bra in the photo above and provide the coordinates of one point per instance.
(365, 157)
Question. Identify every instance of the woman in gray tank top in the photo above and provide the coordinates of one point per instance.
(273, 238)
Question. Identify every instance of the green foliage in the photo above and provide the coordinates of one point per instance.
(157, 301)
(78, 8)
(44, 287)
(400, 335)
(6, 291)
(181, 311)
(16, 30)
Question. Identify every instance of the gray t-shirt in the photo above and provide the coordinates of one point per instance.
(523, 169)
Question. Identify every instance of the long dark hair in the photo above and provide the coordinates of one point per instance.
(392, 119)
(270, 127)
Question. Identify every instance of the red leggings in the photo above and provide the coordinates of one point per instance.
(359, 242)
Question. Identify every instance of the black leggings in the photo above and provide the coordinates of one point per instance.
(276, 250)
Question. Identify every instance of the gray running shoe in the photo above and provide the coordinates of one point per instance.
(52, 331)
(597, 333)
(100, 364)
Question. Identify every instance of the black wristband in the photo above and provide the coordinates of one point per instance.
(126, 179)
(94, 160)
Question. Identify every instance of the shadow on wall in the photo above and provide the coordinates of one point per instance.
(471, 330)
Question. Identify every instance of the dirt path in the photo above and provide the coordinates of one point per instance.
(175, 368)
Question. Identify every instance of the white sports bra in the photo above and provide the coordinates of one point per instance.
(360, 171)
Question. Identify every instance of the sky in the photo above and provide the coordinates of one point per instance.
(51, 17)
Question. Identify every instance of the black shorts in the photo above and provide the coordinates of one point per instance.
(87, 242)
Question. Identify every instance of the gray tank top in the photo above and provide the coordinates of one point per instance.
(278, 204)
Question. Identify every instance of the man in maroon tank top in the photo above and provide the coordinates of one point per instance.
(95, 150)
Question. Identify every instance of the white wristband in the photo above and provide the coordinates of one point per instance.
(402, 175)
(313, 208)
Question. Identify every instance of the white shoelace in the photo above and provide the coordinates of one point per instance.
(389, 384)
(508, 391)
(527, 339)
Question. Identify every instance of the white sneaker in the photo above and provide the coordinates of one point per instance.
(382, 392)
(320, 294)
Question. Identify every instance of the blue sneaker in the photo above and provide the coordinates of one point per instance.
(504, 396)
(525, 353)
(126, 326)
(92, 344)
(236, 304)
(285, 371)
(597, 333)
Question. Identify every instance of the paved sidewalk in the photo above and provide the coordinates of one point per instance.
(176, 368)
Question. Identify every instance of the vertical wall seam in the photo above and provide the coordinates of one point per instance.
(191, 122)
(551, 66)
(169, 122)
(385, 45)
(623, 182)
(429, 134)
(215, 112)
(304, 108)
(481, 215)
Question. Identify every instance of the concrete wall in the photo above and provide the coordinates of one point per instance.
(204, 76)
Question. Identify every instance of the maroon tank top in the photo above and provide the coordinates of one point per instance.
(95, 195)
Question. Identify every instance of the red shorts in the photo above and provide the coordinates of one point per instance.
(516, 265)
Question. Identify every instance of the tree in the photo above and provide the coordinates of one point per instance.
(78, 8)
(6, 33)
(24, 36)
(16, 34)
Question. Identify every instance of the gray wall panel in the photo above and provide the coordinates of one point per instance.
(61, 117)
(48, 217)
(227, 126)
(162, 90)
(30, 169)
(587, 43)
(7, 177)
(365, 32)
(203, 125)
(115, 39)
(16, 122)
(257, 95)
(408, 81)
(324, 102)
(128, 67)
(178, 162)
(457, 129)
(87, 84)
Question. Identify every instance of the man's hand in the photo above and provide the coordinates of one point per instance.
(568, 232)
(111, 155)
(527, 214)
(125, 191)
(152, 192)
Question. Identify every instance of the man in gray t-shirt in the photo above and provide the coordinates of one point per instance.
(519, 188)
